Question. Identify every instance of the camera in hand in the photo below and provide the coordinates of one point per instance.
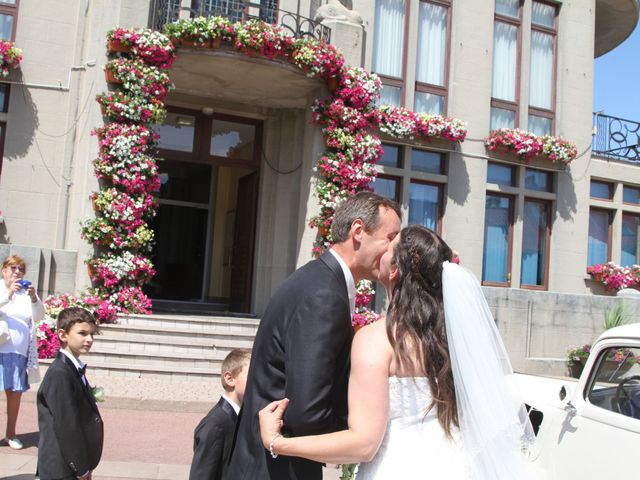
(24, 284)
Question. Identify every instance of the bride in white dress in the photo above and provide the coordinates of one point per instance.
(429, 391)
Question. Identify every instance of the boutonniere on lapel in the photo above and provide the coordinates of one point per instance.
(98, 393)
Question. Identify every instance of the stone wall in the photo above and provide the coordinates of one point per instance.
(539, 327)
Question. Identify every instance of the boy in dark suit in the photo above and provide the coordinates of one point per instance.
(71, 429)
(213, 436)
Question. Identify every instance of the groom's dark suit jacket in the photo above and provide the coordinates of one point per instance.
(301, 352)
(71, 429)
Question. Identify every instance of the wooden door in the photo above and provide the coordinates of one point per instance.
(243, 244)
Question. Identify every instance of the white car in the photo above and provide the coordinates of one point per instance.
(590, 428)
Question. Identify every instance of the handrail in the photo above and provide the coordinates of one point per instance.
(167, 11)
(616, 137)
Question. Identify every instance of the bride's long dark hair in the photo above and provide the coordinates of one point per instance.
(415, 319)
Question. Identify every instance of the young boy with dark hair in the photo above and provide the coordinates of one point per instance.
(213, 437)
(71, 429)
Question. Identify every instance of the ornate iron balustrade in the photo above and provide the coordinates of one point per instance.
(167, 11)
(616, 137)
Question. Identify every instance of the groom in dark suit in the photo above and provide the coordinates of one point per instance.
(302, 346)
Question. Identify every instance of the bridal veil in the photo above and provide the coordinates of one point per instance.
(494, 425)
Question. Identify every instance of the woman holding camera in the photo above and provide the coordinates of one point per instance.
(21, 308)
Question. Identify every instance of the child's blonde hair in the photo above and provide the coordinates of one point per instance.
(233, 363)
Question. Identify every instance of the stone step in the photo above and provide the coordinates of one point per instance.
(189, 321)
(184, 336)
(168, 373)
(206, 360)
(175, 348)
(126, 340)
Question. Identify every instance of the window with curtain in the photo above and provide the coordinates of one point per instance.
(601, 190)
(501, 174)
(598, 250)
(391, 155)
(534, 243)
(388, 48)
(630, 226)
(538, 180)
(542, 68)
(8, 18)
(631, 195)
(424, 205)
(387, 187)
(497, 239)
(431, 59)
(504, 84)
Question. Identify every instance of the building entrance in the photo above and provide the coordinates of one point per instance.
(205, 226)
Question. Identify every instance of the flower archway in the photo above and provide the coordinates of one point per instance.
(127, 169)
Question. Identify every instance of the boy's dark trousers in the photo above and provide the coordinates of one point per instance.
(212, 440)
(71, 429)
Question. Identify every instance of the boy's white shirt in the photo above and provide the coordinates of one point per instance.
(235, 406)
(76, 361)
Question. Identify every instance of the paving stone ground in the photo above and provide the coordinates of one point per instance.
(148, 430)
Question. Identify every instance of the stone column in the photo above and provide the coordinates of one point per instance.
(347, 31)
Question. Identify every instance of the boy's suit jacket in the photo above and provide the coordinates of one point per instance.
(71, 429)
(301, 352)
(212, 440)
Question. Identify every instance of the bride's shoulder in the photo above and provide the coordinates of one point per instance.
(372, 338)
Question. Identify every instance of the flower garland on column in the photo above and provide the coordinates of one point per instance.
(127, 168)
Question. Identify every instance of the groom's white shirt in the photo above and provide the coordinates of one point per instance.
(351, 285)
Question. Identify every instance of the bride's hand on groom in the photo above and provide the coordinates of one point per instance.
(271, 420)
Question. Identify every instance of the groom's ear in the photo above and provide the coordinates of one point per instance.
(357, 229)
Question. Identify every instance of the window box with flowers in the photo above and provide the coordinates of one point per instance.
(526, 145)
(615, 277)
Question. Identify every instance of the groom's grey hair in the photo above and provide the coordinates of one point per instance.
(364, 206)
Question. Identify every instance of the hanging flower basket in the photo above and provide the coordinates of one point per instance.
(194, 42)
(110, 77)
(333, 83)
(116, 46)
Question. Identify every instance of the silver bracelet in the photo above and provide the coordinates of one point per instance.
(275, 437)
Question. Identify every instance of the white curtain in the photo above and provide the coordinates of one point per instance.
(510, 8)
(505, 46)
(543, 14)
(428, 103)
(501, 118)
(389, 95)
(432, 43)
(541, 74)
(539, 125)
(388, 40)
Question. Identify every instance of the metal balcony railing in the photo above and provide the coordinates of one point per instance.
(167, 11)
(616, 138)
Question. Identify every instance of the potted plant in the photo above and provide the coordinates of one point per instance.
(576, 359)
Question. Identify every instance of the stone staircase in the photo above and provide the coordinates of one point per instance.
(173, 348)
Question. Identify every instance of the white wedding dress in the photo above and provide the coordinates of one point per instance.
(414, 445)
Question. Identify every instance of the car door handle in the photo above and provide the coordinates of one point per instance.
(570, 408)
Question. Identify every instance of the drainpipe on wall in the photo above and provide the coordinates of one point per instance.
(69, 148)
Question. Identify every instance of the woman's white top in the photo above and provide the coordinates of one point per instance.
(17, 313)
(22, 316)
